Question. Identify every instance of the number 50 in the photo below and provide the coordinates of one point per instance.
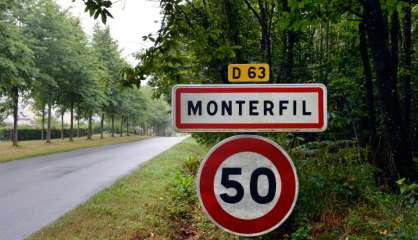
(228, 183)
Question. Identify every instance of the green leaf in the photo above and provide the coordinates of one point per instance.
(91, 10)
(400, 181)
(106, 12)
(104, 18)
(97, 14)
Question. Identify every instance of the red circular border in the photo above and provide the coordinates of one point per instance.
(279, 159)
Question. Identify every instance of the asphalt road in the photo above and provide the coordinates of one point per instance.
(36, 191)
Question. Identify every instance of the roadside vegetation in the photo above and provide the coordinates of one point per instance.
(36, 148)
(338, 199)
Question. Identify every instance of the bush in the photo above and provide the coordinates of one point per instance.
(332, 176)
(338, 198)
(183, 190)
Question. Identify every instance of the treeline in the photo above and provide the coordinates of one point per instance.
(361, 50)
(45, 56)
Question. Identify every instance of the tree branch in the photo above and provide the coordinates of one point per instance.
(253, 10)
(353, 12)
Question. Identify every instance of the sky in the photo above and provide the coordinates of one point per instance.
(132, 20)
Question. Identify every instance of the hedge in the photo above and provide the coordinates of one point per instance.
(36, 134)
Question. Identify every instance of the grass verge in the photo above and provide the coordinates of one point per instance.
(39, 147)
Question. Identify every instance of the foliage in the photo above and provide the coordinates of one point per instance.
(409, 192)
(16, 58)
(338, 198)
(183, 210)
(98, 8)
(108, 53)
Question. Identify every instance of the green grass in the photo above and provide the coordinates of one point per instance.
(135, 207)
(38, 148)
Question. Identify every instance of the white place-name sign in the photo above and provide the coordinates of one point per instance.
(250, 108)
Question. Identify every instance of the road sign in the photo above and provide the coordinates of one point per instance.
(247, 185)
(248, 73)
(250, 108)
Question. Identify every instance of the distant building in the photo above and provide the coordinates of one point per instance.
(26, 115)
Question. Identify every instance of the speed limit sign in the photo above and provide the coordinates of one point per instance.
(247, 185)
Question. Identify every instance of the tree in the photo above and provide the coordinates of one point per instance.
(47, 26)
(265, 19)
(81, 66)
(407, 40)
(371, 116)
(16, 60)
(377, 31)
(68, 67)
(108, 53)
(157, 113)
(92, 91)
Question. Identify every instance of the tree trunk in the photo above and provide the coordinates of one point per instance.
(15, 116)
(232, 30)
(289, 39)
(78, 125)
(266, 44)
(90, 133)
(127, 126)
(121, 126)
(48, 131)
(371, 117)
(264, 18)
(394, 49)
(326, 48)
(71, 120)
(62, 125)
(416, 125)
(102, 126)
(43, 124)
(394, 126)
(113, 125)
(282, 76)
(407, 74)
(138, 129)
(290, 53)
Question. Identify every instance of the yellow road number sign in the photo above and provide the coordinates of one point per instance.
(248, 73)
